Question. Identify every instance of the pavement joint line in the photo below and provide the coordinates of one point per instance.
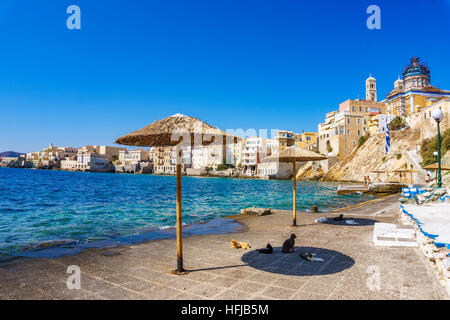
(113, 284)
(402, 290)
(393, 206)
(252, 281)
(317, 273)
(175, 289)
(340, 282)
(149, 281)
(265, 286)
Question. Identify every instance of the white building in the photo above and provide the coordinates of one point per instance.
(92, 162)
(275, 170)
(6, 160)
(50, 154)
(131, 157)
(70, 163)
(151, 154)
(199, 157)
(254, 149)
(377, 123)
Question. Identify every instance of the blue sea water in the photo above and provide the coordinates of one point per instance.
(39, 207)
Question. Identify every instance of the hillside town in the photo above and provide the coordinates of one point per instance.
(410, 103)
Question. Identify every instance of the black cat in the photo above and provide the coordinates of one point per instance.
(340, 218)
(288, 245)
(267, 250)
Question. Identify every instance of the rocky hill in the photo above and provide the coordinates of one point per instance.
(11, 154)
(371, 157)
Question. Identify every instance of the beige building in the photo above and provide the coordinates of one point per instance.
(339, 134)
(426, 124)
(165, 160)
(285, 139)
(111, 152)
(234, 153)
(345, 133)
(307, 140)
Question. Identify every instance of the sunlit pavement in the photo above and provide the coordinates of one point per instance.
(353, 267)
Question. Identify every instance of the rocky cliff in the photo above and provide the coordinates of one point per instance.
(371, 157)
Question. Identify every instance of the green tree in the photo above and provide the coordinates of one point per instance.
(363, 139)
(429, 146)
(397, 123)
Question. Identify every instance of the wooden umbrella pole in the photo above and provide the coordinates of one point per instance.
(179, 223)
(295, 196)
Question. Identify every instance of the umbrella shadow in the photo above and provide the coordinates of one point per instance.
(361, 222)
(218, 268)
(293, 264)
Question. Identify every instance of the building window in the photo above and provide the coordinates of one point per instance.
(359, 132)
(348, 120)
(353, 109)
(360, 109)
(348, 131)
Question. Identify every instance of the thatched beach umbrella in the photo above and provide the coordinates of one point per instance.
(435, 167)
(295, 154)
(405, 171)
(177, 130)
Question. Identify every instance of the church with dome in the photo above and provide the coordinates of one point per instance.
(413, 92)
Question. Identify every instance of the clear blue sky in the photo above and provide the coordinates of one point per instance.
(234, 63)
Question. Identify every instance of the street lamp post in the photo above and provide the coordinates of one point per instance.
(435, 154)
(438, 116)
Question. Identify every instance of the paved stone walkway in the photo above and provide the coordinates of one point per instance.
(219, 272)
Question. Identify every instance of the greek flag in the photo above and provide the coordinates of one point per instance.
(387, 146)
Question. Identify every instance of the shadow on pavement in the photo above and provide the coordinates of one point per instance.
(362, 222)
(293, 264)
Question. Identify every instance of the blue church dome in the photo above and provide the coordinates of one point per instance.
(415, 68)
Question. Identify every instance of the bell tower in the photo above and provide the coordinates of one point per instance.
(371, 89)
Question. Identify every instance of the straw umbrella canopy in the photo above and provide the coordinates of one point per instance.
(405, 171)
(435, 167)
(172, 130)
(177, 130)
(295, 154)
